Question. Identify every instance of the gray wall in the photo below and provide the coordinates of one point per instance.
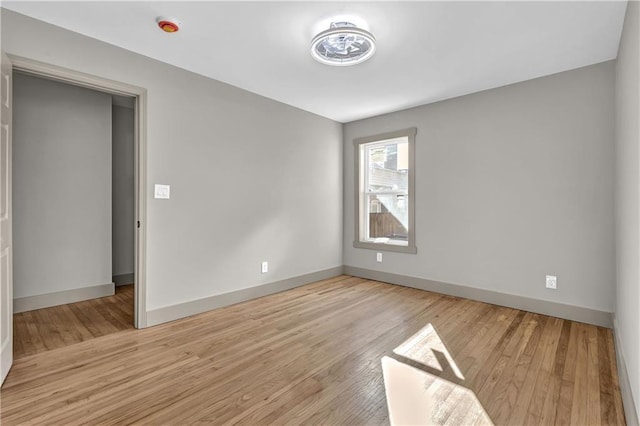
(511, 184)
(627, 184)
(123, 190)
(61, 187)
(251, 179)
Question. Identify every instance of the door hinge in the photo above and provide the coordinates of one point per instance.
(138, 224)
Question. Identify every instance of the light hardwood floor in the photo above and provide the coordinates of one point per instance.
(59, 326)
(313, 355)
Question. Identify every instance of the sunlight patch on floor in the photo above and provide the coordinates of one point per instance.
(425, 347)
(424, 385)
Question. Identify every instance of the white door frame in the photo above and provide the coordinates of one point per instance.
(77, 78)
(6, 241)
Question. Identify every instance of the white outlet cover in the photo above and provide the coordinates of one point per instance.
(552, 282)
(162, 191)
(265, 267)
(378, 257)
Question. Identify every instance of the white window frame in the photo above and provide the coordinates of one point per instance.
(361, 238)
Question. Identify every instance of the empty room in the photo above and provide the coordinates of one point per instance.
(334, 213)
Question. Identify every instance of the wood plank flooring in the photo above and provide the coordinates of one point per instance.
(45, 329)
(313, 355)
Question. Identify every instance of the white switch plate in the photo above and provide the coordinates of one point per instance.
(265, 267)
(162, 191)
(552, 282)
(379, 257)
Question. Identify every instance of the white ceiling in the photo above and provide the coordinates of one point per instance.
(426, 51)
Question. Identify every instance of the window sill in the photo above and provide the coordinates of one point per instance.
(410, 249)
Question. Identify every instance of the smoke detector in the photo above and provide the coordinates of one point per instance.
(168, 25)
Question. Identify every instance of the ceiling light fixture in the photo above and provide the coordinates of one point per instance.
(343, 44)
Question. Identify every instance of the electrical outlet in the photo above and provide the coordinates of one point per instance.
(379, 257)
(552, 282)
(265, 267)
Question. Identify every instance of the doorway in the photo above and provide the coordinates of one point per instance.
(137, 98)
(73, 214)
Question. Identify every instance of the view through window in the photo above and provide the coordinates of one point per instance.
(385, 193)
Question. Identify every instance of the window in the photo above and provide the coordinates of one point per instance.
(385, 192)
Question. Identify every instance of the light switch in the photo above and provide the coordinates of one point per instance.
(162, 191)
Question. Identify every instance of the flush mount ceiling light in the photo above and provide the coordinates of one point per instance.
(343, 44)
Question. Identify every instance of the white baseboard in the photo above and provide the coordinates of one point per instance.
(623, 377)
(123, 279)
(570, 312)
(182, 310)
(29, 303)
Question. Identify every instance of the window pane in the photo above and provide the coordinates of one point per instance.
(388, 218)
(387, 169)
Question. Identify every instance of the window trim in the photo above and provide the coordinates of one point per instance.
(411, 248)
